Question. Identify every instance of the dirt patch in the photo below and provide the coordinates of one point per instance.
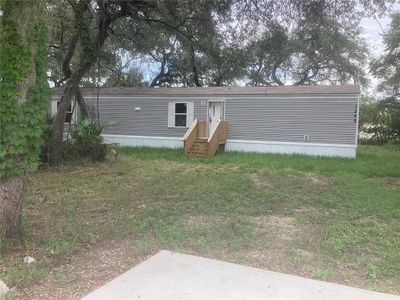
(227, 168)
(259, 180)
(199, 220)
(86, 272)
(304, 253)
(310, 210)
(197, 168)
(306, 209)
(275, 259)
(390, 180)
(318, 180)
(201, 168)
(280, 227)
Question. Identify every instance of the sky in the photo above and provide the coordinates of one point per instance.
(373, 33)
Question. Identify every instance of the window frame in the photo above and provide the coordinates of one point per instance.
(181, 114)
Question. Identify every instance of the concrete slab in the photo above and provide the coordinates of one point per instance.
(3, 289)
(169, 275)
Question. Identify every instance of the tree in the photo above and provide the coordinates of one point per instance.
(24, 98)
(129, 77)
(185, 45)
(95, 20)
(199, 43)
(91, 22)
(320, 43)
(59, 18)
(380, 119)
(386, 68)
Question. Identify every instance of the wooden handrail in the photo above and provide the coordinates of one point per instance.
(190, 136)
(198, 130)
(217, 137)
(190, 130)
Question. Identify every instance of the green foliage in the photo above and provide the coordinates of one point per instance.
(47, 140)
(387, 67)
(86, 141)
(320, 44)
(23, 55)
(86, 133)
(131, 78)
(213, 43)
(380, 119)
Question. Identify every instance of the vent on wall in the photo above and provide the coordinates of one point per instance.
(306, 137)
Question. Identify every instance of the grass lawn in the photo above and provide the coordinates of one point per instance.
(325, 218)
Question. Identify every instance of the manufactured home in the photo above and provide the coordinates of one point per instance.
(314, 120)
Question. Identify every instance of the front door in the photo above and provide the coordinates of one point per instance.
(215, 113)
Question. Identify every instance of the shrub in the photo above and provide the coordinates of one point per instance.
(380, 120)
(86, 141)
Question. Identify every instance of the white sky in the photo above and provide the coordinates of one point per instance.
(373, 33)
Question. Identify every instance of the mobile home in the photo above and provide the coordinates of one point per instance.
(313, 120)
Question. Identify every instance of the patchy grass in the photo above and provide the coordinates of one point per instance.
(326, 218)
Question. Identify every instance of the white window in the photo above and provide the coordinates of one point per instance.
(180, 114)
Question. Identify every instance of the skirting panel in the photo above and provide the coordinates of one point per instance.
(143, 141)
(238, 145)
(292, 148)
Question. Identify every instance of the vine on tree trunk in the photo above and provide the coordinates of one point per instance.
(24, 95)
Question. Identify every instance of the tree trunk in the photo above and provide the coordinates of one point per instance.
(57, 132)
(12, 192)
(196, 79)
(88, 57)
(81, 102)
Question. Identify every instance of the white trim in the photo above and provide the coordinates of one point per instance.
(216, 100)
(187, 104)
(223, 101)
(189, 113)
(338, 150)
(53, 108)
(171, 114)
(143, 141)
(358, 119)
(293, 143)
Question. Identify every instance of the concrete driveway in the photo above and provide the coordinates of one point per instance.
(169, 275)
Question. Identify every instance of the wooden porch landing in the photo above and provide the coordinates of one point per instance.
(197, 143)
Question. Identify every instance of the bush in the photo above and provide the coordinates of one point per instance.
(379, 120)
(86, 141)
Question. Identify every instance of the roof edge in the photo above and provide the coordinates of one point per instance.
(200, 91)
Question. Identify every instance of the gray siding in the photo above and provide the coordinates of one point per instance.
(325, 119)
(151, 120)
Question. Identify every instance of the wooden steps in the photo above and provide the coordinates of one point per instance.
(199, 148)
(197, 144)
